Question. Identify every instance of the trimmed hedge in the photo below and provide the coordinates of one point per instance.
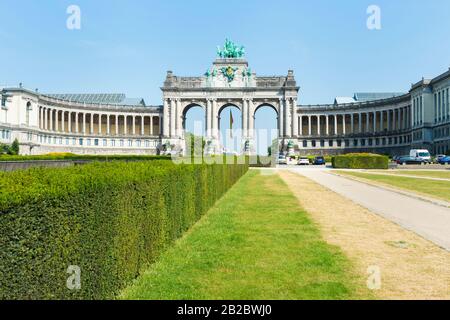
(360, 161)
(70, 156)
(110, 219)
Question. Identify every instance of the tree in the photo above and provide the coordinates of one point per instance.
(14, 148)
(195, 146)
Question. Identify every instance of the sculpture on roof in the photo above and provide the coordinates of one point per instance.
(230, 50)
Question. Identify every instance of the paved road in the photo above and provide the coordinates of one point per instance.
(428, 220)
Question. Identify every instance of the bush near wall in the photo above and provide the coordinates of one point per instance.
(110, 219)
(360, 161)
(74, 157)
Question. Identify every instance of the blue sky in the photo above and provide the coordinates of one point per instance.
(127, 46)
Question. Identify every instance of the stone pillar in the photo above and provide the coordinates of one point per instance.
(335, 124)
(281, 118)
(344, 132)
(179, 119)
(294, 118)
(63, 125)
(394, 120)
(51, 119)
(91, 126)
(327, 121)
(151, 126)
(374, 125)
(77, 126)
(69, 121)
(166, 121)
(56, 121)
(309, 126)
(108, 125)
(143, 125)
(287, 117)
(134, 125)
(300, 132)
(367, 122)
(318, 125)
(352, 125)
(117, 124)
(99, 123)
(388, 120)
(208, 118)
(125, 124)
(399, 119)
(359, 123)
(160, 124)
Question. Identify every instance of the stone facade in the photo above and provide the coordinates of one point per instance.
(44, 123)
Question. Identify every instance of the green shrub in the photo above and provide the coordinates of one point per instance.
(110, 219)
(70, 156)
(360, 161)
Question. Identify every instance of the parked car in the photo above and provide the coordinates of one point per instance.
(319, 161)
(439, 156)
(410, 160)
(444, 160)
(425, 155)
(303, 161)
(281, 159)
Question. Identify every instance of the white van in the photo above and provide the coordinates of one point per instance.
(421, 153)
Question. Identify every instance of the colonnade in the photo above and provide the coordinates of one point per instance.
(77, 122)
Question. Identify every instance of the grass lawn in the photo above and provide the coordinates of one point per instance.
(443, 174)
(434, 188)
(256, 243)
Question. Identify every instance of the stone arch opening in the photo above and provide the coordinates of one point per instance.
(230, 128)
(266, 129)
(194, 119)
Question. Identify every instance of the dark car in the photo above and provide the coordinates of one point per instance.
(410, 160)
(444, 160)
(319, 161)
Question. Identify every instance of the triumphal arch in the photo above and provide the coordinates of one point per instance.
(228, 82)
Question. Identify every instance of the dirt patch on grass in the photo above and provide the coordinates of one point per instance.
(411, 267)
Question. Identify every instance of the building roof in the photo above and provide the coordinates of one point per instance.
(100, 98)
(344, 100)
(371, 96)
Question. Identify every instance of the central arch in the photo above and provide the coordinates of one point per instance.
(230, 128)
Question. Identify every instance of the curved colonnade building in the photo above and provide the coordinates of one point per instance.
(389, 123)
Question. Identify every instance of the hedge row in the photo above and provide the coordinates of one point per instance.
(360, 161)
(109, 219)
(69, 156)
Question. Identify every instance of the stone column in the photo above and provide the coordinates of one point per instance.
(367, 122)
(56, 121)
(359, 123)
(335, 124)
(327, 121)
(69, 121)
(179, 119)
(352, 125)
(108, 125)
(287, 117)
(166, 130)
(117, 124)
(294, 118)
(399, 119)
(394, 120)
(77, 126)
(309, 126)
(208, 118)
(160, 124)
(125, 124)
(99, 123)
(151, 126)
(344, 132)
(63, 125)
(134, 124)
(91, 126)
(374, 122)
(388, 120)
(281, 118)
(318, 124)
(143, 125)
(51, 119)
(300, 132)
